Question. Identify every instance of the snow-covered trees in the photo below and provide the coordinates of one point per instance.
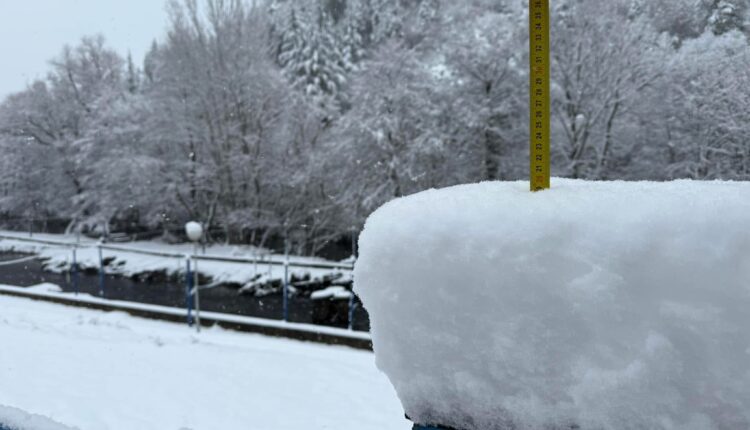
(311, 52)
(727, 15)
(687, 19)
(61, 115)
(680, 19)
(221, 102)
(708, 111)
(260, 118)
(486, 68)
(389, 142)
(601, 64)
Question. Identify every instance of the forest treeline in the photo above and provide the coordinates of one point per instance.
(258, 118)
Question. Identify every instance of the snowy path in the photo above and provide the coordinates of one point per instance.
(105, 371)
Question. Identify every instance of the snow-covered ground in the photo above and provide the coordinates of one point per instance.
(93, 370)
(47, 291)
(141, 257)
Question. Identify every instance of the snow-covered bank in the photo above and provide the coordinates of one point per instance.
(608, 305)
(310, 332)
(144, 257)
(108, 371)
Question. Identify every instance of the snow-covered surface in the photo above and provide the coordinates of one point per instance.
(608, 305)
(54, 291)
(335, 293)
(108, 371)
(45, 287)
(16, 419)
(139, 257)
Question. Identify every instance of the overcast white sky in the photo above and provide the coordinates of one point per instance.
(32, 32)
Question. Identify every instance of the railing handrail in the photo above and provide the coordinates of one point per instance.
(238, 260)
(43, 241)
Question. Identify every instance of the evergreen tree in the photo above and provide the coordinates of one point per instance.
(310, 53)
(352, 42)
(133, 80)
(292, 43)
(149, 62)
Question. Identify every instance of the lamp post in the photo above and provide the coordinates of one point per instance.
(194, 231)
(297, 235)
(354, 243)
(285, 287)
(74, 269)
(101, 267)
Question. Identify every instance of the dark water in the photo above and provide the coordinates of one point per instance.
(166, 293)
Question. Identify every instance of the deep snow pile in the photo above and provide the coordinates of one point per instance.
(606, 305)
(95, 370)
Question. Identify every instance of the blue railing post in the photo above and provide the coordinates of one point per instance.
(101, 271)
(189, 293)
(196, 290)
(352, 303)
(352, 307)
(74, 271)
(285, 287)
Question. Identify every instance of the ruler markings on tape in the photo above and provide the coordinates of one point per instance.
(539, 100)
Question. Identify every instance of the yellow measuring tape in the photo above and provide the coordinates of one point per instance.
(539, 101)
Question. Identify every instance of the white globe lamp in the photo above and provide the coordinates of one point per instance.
(194, 231)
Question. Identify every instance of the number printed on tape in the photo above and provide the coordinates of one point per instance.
(539, 92)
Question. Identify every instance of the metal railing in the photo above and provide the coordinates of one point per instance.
(190, 262)
(278, 261)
